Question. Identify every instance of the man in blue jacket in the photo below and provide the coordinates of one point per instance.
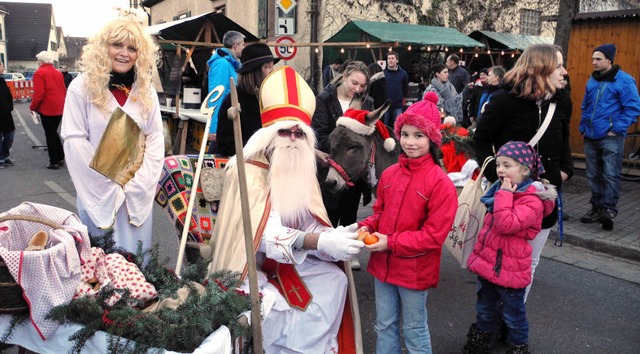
(610, 106)
(223, 65)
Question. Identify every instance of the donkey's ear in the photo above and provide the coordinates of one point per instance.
(356, 103)
(374, 115)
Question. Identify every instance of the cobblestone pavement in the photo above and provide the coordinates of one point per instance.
(624, 240)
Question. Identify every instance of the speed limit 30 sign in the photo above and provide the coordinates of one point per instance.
(284, 51)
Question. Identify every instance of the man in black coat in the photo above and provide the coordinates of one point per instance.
(7, 128)
(66, 76)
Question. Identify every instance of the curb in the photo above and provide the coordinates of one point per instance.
(597, 245)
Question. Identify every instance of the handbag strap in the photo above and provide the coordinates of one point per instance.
(545, 124)
(484, 165)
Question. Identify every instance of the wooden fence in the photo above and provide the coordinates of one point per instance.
(586, 35)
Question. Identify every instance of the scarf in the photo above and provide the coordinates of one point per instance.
(489, 198)
(608, 76)
(117, 80)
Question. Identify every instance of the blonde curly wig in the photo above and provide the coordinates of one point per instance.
(96, 64)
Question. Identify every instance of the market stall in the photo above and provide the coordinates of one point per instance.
(188, 42)
(369, 41)
(503, 48)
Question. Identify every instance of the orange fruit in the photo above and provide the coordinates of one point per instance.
(370, 239)
(361, 235)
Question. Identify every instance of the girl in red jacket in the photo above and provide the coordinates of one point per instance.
(414, 211)
(502, 256)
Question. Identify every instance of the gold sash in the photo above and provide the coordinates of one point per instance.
(121, 150)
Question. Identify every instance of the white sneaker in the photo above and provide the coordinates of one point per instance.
(354, 263)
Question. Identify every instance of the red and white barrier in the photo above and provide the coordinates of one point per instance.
(22, 89)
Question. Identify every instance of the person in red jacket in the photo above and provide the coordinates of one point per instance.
(49, 93)
(501, 257)
(414, 211)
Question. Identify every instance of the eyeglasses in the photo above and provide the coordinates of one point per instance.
(285, 133)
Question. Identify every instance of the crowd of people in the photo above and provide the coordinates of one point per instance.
(111, 140)
(505, 110)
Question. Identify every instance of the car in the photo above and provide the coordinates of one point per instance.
(13, 77)
(29, 74)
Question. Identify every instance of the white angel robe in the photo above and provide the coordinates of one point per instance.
(102, 203)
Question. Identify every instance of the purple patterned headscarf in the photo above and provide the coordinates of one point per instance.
(524, 154)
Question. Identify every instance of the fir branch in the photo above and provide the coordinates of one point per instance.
(16, 320)
(183, 329)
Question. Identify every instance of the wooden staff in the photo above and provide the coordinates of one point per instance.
(254, 291)
(192, 197)
(355, 308)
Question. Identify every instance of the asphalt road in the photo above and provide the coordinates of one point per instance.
(570, 309)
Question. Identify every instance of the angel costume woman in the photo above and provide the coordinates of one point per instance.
(112, 131)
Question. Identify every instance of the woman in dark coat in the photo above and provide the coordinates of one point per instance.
(537, 79)
(7, 128)
(257, 63)
(330, 105)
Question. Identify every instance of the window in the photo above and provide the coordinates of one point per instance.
(530, 23)
(182, 15)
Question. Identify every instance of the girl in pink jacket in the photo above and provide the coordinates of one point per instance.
(501, 256)
(414, 212)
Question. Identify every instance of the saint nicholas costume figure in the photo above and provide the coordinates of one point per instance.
(307, 294)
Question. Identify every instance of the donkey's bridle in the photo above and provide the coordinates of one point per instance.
(343, 173)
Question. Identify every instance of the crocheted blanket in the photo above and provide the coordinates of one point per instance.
(174, 189)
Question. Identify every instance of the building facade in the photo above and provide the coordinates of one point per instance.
(3, 36)
(310, 22)
(30, 29)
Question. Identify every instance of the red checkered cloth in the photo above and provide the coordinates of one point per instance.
(113, 269)
(49, 277)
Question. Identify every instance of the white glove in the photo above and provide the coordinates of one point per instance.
(35, 116)
(340, 245)
(349, 228)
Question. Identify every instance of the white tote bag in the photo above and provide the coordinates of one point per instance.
(469, 219)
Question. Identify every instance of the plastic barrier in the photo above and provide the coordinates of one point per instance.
(21, 89)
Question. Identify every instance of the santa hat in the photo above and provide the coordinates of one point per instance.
(423, 115)
(355, 120)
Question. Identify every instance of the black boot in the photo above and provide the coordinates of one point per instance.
(478, 342)
(518, 349)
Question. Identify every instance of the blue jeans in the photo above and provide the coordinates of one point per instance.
(390, 300)
(604, 166)
(6, 141)
(514, 313)
(391, 115)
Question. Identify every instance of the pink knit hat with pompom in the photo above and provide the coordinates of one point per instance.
(423, 115)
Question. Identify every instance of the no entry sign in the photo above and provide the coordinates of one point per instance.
(286, 52)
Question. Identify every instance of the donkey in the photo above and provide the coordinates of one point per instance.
(357, 154)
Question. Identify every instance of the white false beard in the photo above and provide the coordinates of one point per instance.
(292, 169)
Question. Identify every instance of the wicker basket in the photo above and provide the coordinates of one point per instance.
(11, 299)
